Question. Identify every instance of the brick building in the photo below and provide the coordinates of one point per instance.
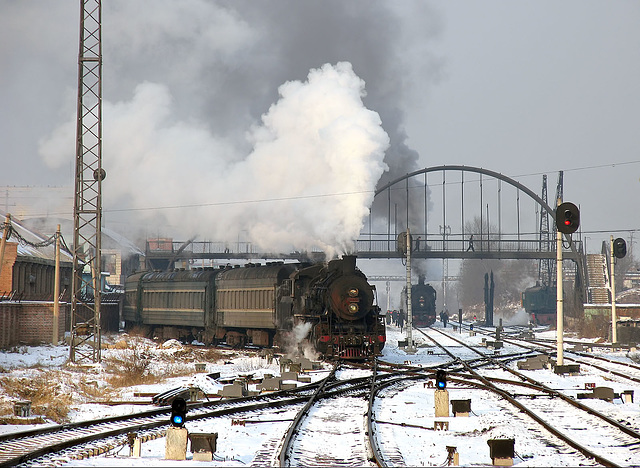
(27, 280)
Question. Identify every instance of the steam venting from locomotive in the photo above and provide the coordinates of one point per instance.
(307, 183)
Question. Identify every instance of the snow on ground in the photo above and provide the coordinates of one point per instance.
(238, 445)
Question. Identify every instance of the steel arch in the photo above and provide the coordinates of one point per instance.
(477, 170)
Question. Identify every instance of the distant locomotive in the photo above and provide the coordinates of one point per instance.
(540, 303)
(332, 305)
(423, 303)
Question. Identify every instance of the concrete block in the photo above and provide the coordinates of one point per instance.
(289, 375)
(441, 399)
(270, 384)
(233, 391)
(176, 445)
(571, 369)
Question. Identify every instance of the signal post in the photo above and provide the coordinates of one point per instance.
(618, 250)
(177, 434)
(567, 222)
(441, 395)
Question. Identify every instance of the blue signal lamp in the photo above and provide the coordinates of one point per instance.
(441, 379)
(177, 420)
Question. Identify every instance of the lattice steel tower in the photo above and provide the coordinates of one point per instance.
(544, 266)
(87, 209)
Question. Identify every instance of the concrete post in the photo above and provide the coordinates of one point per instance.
(56, 291)
(441, 399)
(176, 447)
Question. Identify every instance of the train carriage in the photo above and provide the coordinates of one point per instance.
(260, 305)
(249, 304)
(170, 303)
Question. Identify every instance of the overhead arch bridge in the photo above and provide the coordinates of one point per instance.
(445, 212)
(466, 212)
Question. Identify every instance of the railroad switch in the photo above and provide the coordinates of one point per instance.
(22, 409)
(571, 369)
(453, 457)
(203, 445)
(440, 425)
(135, 445)
(501, 451)
(461, 408)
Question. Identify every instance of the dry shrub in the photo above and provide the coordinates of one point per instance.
(130, 366)
(90, 390)
(141, 331)
(45, 391)
(208, 354)
(597, 326)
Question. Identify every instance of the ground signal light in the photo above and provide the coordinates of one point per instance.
(567, 218)
(619, 248)
(441, 379)
(178, 412)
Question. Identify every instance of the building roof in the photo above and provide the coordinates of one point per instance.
(34, 244)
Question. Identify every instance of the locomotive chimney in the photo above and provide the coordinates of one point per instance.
(348, 264)
(421, 279)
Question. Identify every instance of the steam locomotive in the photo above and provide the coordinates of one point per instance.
(330, 306)
(423, 303)
(540, 303)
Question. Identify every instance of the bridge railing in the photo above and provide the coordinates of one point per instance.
(373, 243)
(456, 243)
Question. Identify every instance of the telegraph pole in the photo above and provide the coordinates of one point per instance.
(87, 209)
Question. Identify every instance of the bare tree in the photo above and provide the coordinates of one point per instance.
(511, 276)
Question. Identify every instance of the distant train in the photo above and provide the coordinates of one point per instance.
(330, 306)
(540, 303)
(423, 303)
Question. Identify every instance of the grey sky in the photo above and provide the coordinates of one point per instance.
(522, 88)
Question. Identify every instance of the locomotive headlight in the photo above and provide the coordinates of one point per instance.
(353, 308)
(353, 292)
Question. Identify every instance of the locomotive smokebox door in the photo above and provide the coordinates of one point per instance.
(350, 298)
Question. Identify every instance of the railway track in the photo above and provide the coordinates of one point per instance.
(625, 370)
(609, 443)
(372, 404)
(317, 406)
(104, 434)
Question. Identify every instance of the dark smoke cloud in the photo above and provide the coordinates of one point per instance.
(216, 68)
(225, 60)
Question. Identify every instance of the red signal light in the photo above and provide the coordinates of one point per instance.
(567, 218)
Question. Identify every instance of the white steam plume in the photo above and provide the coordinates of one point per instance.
(317, 155)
